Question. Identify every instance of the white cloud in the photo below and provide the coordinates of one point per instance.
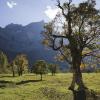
(11, 4)
(51, 12)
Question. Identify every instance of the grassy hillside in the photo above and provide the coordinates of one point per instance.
(29, 86)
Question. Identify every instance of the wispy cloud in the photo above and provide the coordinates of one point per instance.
(51, 12)
(11, 4)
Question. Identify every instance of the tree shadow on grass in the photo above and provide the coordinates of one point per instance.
(4, 83)
(27, 81)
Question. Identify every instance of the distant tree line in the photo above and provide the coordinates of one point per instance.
(20, 65)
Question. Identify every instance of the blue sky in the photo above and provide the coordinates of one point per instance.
(26, 11)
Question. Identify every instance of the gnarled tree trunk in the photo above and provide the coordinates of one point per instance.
(80, 93)
(77, 75)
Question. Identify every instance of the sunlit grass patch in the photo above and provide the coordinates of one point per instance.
(29, 86)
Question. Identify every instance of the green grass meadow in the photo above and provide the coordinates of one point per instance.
(29, 86)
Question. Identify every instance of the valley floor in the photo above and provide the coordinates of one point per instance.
(29, 86)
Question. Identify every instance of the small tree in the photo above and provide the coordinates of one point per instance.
(12, 65)
(21, 62)
(40, 67)
(53, 68)
(90, 64)
(3, 63)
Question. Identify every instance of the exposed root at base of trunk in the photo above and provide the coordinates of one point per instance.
(84, 94)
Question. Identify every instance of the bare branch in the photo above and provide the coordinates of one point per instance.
(66, 58)
(90, 53)
(54, 45)
(62, 9)
(59, 36)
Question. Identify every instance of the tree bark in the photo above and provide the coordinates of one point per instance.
(18, 73)
(41, 77)
(21, 71)
(77, 75)
(79, 95)
(18, 70)
(13, 71)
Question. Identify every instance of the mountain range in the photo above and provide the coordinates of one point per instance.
(17, 39)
